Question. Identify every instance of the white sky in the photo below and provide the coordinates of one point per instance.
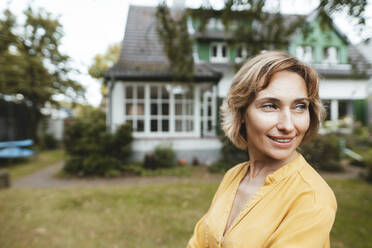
(90, 26)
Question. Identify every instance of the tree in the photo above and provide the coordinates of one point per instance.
(103, 62)
(257, 24)
(31, 65)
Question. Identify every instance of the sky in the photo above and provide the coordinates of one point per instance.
(90, 26)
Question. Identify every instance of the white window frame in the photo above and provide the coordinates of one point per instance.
(330, 59)
(304, 53)
(194, 116)
(219, 58)
(209, 101)
(239, 59)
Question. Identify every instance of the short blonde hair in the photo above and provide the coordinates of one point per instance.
(254, 76)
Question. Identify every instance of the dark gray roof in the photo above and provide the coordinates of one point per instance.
(142, 56)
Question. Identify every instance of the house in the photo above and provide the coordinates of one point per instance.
(141, 90)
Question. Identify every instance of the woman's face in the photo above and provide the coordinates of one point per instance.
(278, 118)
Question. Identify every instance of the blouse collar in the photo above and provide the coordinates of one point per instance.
(286, 170)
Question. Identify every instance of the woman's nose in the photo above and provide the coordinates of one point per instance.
(285, 121)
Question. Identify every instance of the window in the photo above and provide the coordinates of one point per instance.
(214, 24)
(330, 55)
(209, 121)
(219, 53)
(159, 108)
(241, 53)
(184, 110)
(304, 53)
(135, 107)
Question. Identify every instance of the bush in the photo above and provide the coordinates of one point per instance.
(165, 157)
(230, 156)
(323, 152)
(367, 160)
(92, 150)
(48, 142)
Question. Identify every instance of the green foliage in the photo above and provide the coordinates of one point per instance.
(165, 157)
(178, 45)
(230, 156)
(103, 62)
(48, 142)
(92, 150)
(323, 152)
(367, 160)
(31, 64)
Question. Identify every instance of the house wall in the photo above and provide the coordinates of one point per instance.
(201, 143)
(206, 150)
(320, 38)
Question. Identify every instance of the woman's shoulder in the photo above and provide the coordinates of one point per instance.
(234, 172)
(321, 193)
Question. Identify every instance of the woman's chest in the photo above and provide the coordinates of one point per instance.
(252, 226)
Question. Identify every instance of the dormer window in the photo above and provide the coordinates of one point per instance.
(215, 24)
(219, 52)
(304, 53)
(330, 55)
(241, 53)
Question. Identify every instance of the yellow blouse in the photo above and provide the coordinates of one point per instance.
(294, 208)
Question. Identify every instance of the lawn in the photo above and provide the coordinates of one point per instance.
(20, 168)
(146, 216)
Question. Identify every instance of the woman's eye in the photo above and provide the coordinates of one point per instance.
(269, 106)
(301, 107)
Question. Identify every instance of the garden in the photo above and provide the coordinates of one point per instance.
(163, 211)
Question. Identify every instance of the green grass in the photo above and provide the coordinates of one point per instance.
(28, 166)
(149, 216)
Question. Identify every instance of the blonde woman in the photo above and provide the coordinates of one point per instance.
(276, 199)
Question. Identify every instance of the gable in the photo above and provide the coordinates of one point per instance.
(319, 38)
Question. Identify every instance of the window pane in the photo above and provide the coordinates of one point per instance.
(209, 110)
(141, 92)
(189, 125)
(214, 51)
(209, 125)
(178, 109)
(178, 96)
(189, 109)
(129, 92)
(154, 108)
(224, 51)
(154, 125)
(178, 125)
(140, 109)
(154, 92)
(129, 109)
(164, 93)
(140, 126)
(165, 109)
(165, 125)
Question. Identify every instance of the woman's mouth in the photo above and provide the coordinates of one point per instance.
(282, 141)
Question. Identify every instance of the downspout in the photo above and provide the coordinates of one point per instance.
(109, 112)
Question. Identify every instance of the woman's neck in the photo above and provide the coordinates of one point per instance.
(261, 166)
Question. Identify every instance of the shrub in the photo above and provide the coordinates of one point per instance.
(323, 152)
(92, 150)
(48, 142)
(230, 156)
(367, 159)
(165, 157)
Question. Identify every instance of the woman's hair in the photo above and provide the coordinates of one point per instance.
(254, 76)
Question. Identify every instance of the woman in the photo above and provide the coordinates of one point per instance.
(276, 199)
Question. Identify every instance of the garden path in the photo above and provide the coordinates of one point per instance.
(46, 179)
